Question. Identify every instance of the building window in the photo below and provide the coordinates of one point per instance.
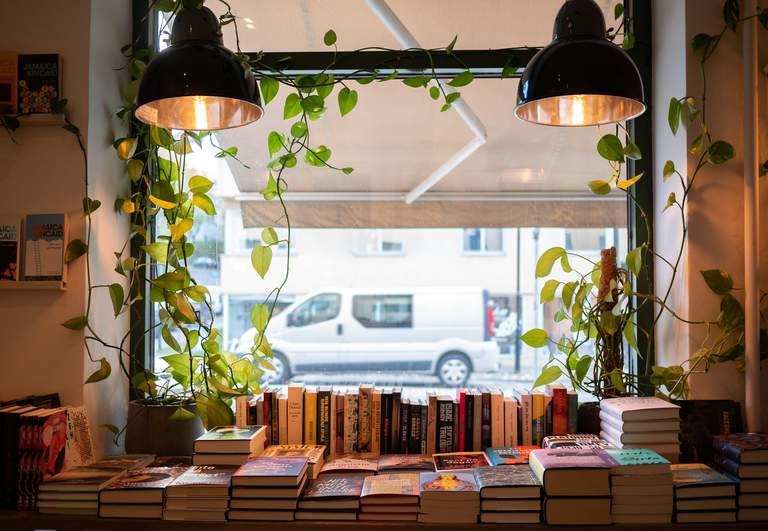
(483, 241)
(377, 242)
(383, 311)
(585, 240)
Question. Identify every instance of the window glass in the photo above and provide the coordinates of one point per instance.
(383, 311)
(316, 310)
(483, 240)
(377, 241)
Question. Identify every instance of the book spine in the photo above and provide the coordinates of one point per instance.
(275, 417)
(332, 414)
(538, 418)
(468, 422)
(547, 416)
(241, 405)
(455, 434)
(295, 414)
(559, 411)
(282, 406)
(508, 412)
(431, 436)
(462, 420)
(526, 419)
(444, 442)
(423, 425)
(405, 424)
(340, 416)
(395, 436)
(497, 419)
(364, 423)
(386, 423)
(256, 412)
(485, 426)
(324, 418)
(310, 417)
(11, 461)
(414, 430)
(376, 423)
(266, 414)
(477, 422)
(350, 423)
(573, 412)
(515, 422)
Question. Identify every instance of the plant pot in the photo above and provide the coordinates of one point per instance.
(589, 418)
(151, 431)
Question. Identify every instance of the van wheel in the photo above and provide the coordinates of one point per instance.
(282, 370)
(454, 370)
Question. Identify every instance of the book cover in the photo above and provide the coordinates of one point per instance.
(423, 426)
(231, 439)
(310, 416)
(364, 411)
(664, 437)
(431, 482)
(547, 414)
(414, 430)
(10, 235)
(9, 70)
(432, 431)
(469, 400)
(335, 486)
(462, 434)
(444, 423)
(455, 426)
(559, 410)
(282, 422)
(459, 461)
(397, 394)
(741, 470)
(331, 447)
(84, 479)
(485, 423)
(204, 476)
(389, 485)
(125, 461)
(497, 419)
(700, 420)
(79, 447)
(575, 440)
(640, 408)
(549, 458)
(573, 411)
(39, 82)
(510, 423)
(405, 462)
(350, 422)
(274, 470)
(538, 419)
(509, 455)
(405, 425)
(637, 461)
(477, 421)
(506, 476)
(314, 453)
(351, 463)
(295, 405)
(153, 478)
(267, 414)
(693, 475)
(743, 447)
(526, 418)
(45, 240)
(376, 422)
(385, 434)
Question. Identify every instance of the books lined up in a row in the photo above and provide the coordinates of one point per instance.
(642, 422)
(745, 456)
(381, 421)
(45, 239)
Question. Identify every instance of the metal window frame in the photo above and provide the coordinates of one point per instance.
(483, 64)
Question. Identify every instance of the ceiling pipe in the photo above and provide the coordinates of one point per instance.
(387, 17)
(751, 224)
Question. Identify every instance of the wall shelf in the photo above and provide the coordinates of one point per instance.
(41, 119)
(34, 285)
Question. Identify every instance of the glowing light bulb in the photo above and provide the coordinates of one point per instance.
(577, 110)
(201, 114)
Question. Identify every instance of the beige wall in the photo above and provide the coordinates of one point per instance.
(44, 172)
(716, 234)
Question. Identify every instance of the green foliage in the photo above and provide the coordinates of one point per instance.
(536, 338)
(329, 38)
(347, 100)
(269, 89)
(547, 260)
(719, 281)
(547, 376)
(261, 259)
(609, 147)
(75, 249)
(102, 373)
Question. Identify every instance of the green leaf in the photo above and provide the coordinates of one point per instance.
(629, 335)
(624, 185)
(671, 200)
(181, 414)
(600, 187)
(697, 145)
(299, 129)
(449, 48)
(111, 427)
(204, 203)
(347, 171)
(547, 260)
(75, 249)
(609, 147)
(508, 71)
(673, 115)
(631, 151)
(564, 264)
(228, 152)
(329, 38)
(269, 88)
(434, 92)
(669, 170)
(90, 205)
(117, 296)
(275, 142)
(312, 104)
(618, 11)
(199, 184)
(260, 317)
(197, 293)
(161, 137)
(567, 293)
(416, 82)
(535, 337)
(261, 258)
(701, 43)
(609, 322)
(731, 13)
(135, 168)
(180, 229)
(720, 152)
(635, 260)
(318, 157)
(292, 106)
(269, 236)
(462, 80)
(548, 291)
(214, 412)
(162, 195)
(158, 251)
(719, 281)
(76, 323)
(347, 100)
(169, 339)
(629, 41)
(582, 366)
(324, 85)
(547, 376)
(616, 380)
(102, 373)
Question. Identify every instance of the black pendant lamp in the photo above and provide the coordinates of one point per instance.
(196, 83)
(581, 78)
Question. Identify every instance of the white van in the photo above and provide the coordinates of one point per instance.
(442, 331)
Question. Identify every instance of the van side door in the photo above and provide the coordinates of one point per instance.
(311, 337)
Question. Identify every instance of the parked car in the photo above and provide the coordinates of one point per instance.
(441, 331)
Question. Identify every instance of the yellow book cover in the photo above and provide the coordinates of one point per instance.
(538, 418)
(310, 416)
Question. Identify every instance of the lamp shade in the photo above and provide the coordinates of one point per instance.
(196, 83)
(581, 78)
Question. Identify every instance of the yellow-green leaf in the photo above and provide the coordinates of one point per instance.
(548, 375)
(116, 295)
(548, 291)
(181, 414)
(535, 337)
(158, 251)
(204, 203)
(629, 182)
(269, 236)
(76, 323)
(102, 373)
(260, 316)
(199, 184)
(547, 260)
(600, 187)
(261, 258)
(180, 229)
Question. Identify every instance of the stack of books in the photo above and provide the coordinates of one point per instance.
(641, 487)
(576, 484)
(448, 498)
(138, 494)
(703, 494)
(268, 488)
(314, 453)
(200, 493)
(390, 497)
(229, 445)
(355, 463)
(331, 497)
(642, 422)
(509, 494)
(745, 455)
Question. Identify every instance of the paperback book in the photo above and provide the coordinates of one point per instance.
(459, 461)
(271, 471)
(510, 455)
(10, 235)
(232, 439)
(45, 240)
(507, 482)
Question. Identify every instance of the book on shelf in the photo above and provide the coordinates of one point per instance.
(637, 461)
(638, 426)
(10, 234)
(314, 453)
(181, 504)
(459, 461)
(575, 440)
(741, 470)
(697, 480)
(39, 82)
(202, 482)
(232, 440)
(152, 511)
(365, 414)
(572, 471)
(390, 489)
(195, 515)
(9, 81)
(444, 425)
(640, 408)
(526, 417)
(353, 463)
(295, 412)
(333, 491)
(653, 437)
(744, 448)
(448, 486)
(531, 504)
(271, 471)
(310, 416)
(511, 412)
(508, 482)
(282, 415)
(350, 422)
(327, 516)
(337, 436)
(639, 488)
(219, 459)
(140, 486)
(125, 461)
(376, 421)
(706, 504)
(82, 479)
(45, 238)
(391, 463)
(510, 517)
(509, 455)
(270, 492)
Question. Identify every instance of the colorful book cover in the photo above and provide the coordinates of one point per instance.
(459, 461)
(447, 482)
(295, 404)
(743, 447)
(313, 452)
(39, 82)
(205, 476)
(45, 236)
(414, 430)
(335, 486)
(510, 455)
(391, 485)
(376, 422)
(386, 422)
(637, 458)
(146, 478)
(409, 462)
(10, 235)
(230, 433)
(688, 475)
(444, 425)
(310, 416)
(238, 439)
(506, 476)
(350, 422)
(397, 394)
(575, 440)
(485, 423)
(432, 436)
(559, 410)
(351, 463)
(365, 412)
(267, 467)
(83, 479)
(405, 425)
(9, 64)
(339, 435)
